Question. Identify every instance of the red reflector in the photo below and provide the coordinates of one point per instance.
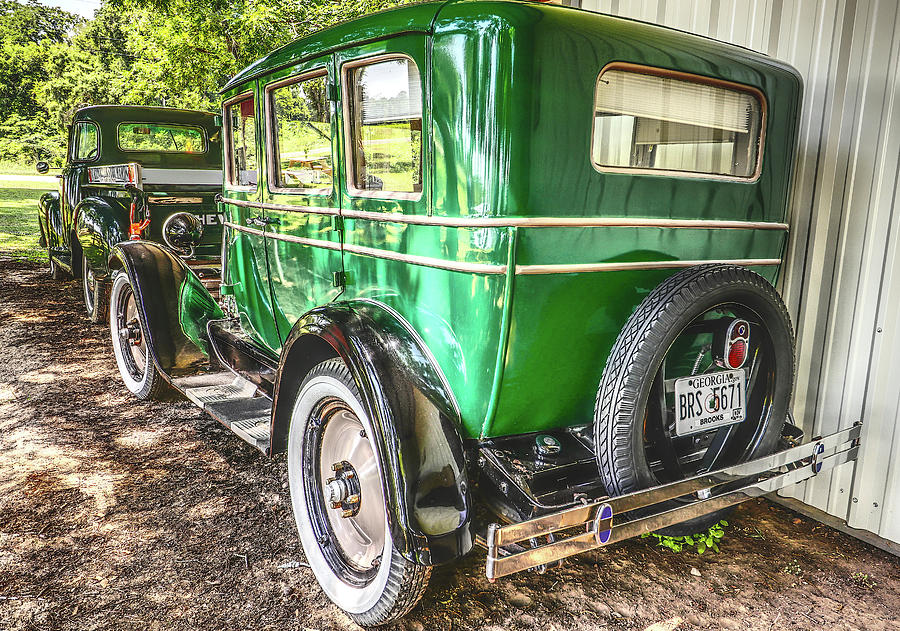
(737, 354)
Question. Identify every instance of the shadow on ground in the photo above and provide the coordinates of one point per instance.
(116, 514)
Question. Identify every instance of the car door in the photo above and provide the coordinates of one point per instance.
(84, 149)
(302, 213)
(244, 247)
(384, 183)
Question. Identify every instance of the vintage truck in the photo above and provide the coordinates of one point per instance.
(128, 171)
(493, 254)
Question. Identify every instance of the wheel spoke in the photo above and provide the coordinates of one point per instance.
(716, 448)
(657, 428)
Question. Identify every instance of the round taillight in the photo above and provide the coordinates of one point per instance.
(737, 354)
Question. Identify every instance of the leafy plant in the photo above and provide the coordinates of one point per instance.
(792, 568)
(863, 580)
(702, 541)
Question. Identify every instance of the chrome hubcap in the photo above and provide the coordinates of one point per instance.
(351, 486)
(130, 335)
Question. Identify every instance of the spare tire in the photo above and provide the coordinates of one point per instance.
(650, 430)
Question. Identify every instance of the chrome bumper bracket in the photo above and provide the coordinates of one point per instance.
(607, 520)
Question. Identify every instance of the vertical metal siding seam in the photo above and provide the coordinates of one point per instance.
(840, 183)
(881, 179)
(849, 242)
(813, 145)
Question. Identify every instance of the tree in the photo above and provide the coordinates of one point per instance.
(176, 53)
(27, 32)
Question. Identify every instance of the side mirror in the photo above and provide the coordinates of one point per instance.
(182, 232)
(42, 167)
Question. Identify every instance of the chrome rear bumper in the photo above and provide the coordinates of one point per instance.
(595, 524)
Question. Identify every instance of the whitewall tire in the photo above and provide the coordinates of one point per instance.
(336, 486)
(131, 348)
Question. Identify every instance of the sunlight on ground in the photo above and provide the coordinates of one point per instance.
(38, 376)
(139, 438)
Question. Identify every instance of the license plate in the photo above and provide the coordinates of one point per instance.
(708, 401)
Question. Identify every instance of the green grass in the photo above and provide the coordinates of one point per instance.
(19, 231)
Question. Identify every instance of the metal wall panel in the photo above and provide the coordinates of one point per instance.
(842, 283)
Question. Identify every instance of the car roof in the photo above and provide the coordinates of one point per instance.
(422, 18)
(414, 18)
(106, 114)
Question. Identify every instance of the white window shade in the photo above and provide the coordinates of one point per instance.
(391, 91)
(628, 93)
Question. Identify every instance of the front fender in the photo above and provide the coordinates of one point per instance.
(50, 219)
(173, 305)
(412, 409)
(99, 225)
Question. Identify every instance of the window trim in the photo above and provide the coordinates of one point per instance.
(271, 140)
(185, 125)
(693, 78)
(226, 128)
(76, 138)
(349, 161)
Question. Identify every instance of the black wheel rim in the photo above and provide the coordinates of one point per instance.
(329, 541)
(699, 349)
(130, 335)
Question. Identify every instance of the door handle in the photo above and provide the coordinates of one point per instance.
(262, 222)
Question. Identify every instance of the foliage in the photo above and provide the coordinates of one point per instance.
(863, 580)
(702, 541)
(175, 53)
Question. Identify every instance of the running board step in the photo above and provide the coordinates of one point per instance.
(234, 402)
(608, 520)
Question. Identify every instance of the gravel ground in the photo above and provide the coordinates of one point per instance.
(116, 514)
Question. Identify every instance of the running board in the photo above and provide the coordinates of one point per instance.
(233, 401)
(538, 542)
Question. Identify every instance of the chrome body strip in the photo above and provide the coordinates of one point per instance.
(316, 243)
(576, 268)
(524, 222)
(490, 268)
(311, 210)
(709, 493)
(426, 261)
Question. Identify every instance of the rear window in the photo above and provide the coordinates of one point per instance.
(668, 122)
(161, 137)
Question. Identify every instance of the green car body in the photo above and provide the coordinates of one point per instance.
(82, 222)
(518, 262)
(440, 222)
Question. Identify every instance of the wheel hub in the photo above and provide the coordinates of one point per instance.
(343, 490)
(131, 332)
(347, 473)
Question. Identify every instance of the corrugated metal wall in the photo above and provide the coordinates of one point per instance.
(843, 280)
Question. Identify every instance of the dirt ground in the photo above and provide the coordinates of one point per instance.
(116, 514)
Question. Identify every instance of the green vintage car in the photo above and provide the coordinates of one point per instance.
(132, 173)
(493, 254)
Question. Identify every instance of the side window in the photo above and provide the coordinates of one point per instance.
(385, 99)
(87, 145)
(302, 135)
(242, 160)
(649, 121)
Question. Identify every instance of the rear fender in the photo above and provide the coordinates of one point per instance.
(99, 225)
(413, 412)
(173, 305)
(50, 219)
